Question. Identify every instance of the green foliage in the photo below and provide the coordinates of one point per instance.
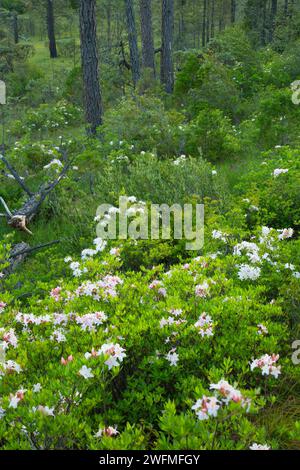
(143, 121)
(211, 135)
(277, 197)
(47, 118)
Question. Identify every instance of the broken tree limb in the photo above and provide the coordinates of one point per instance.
(29, 250)
(20, 218)
(19, 253)
(16, 176)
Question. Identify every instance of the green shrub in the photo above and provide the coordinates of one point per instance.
(211, 135)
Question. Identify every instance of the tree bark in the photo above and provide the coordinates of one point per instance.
(167, 67)
(233, 11)
(204, 23)
(51, 30)
(89, 61)
(147, 35)
(274, 6)
(207, 21)
(15, 27)
(212, 22)
(132, 38)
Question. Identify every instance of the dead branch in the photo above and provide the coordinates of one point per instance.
(19, 253)
(16, 176)
(20, 218)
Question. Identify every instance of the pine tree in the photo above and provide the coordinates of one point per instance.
(167, 67)
(51, 29)
(89, 60)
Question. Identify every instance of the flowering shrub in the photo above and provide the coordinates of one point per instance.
(48, 118)
(272, 187)
(104, 354)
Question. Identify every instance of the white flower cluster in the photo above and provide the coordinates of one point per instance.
(8, 338)
(218, 235)
(256, 446)
(106, 287)
(206, 407)
(279, 171)
(267, 364)
(248, 272)
(158, 287)
(285, 233)
(205, 325)
(251, 249)
(202, 290)
(10, 366)
(172, 357)
(90, 320)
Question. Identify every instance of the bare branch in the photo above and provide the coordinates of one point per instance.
(51, 186)
(16, 176)
(34, 248)
(5, 207)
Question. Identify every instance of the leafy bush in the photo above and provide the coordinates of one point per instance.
(143, 121)
(275, 193)
(48, 118)
(211, 135)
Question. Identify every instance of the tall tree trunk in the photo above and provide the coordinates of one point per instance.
(233, 11)
(132, 38)
(51, 30)
(109, 42)
(204, 23)
(89, 60)
(207, 21)
(212, 22)
(274, 6)
(286, 7)
(264, 23)
(167, 67)
(147, 35)
(15, 27)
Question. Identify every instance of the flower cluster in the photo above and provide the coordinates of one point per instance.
(105, 288)
(2, 306)
(206, 407)
(205, 325)
(8, 338)
(202, 290)
(90, 320)
(267, 365)
(158, 287)
(248, 272)
(115, 354)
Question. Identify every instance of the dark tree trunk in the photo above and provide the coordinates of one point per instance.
(207, 21)
(212, 22)
(204, 23)
(167, 67)
(109, 41)
(132, 38)
(147, 35)
(233, 11)
(286, 7)
(15, 28)
(274, 6)
(89, 61)
(264, 23)
(51, 30)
